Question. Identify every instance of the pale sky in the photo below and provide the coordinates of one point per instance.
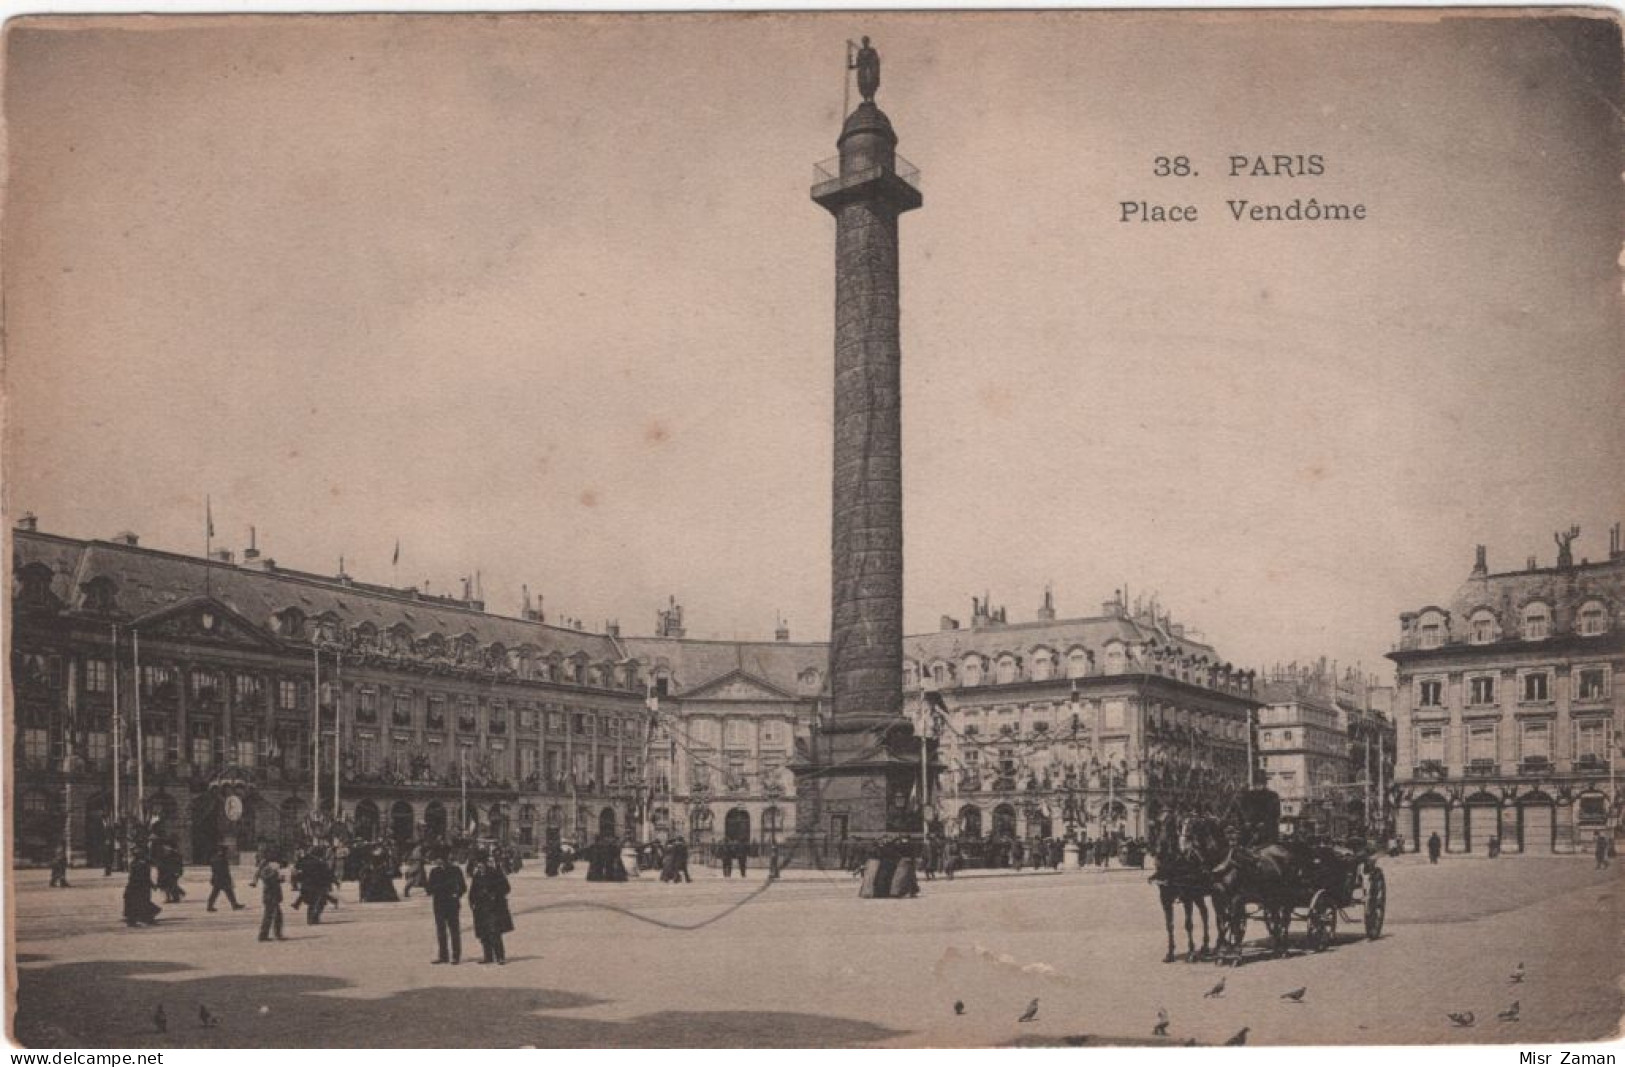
(546, 297)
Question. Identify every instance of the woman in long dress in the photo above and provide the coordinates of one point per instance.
(488, 899)
(138, 906)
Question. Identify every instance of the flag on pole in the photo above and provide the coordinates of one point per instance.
(397, 558)
(208, 515)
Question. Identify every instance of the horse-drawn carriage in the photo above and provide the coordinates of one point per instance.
(1250, 874)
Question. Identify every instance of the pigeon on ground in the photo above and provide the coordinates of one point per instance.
(1031, 1013)
(1460, 1018)
(1161, 1029)
(160, 1020)
(959, 1007)
(1517, 976)
(1216, 991)
(1296, 996)
(1510, 1015)
(204, 1016)
(1240, 1038)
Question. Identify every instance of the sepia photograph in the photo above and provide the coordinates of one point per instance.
(906, 530)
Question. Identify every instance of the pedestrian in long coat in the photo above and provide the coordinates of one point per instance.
(138, 906)
(1434, 847)
(488, 900)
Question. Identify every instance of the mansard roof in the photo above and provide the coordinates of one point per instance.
(146, 581)
(1061, 635)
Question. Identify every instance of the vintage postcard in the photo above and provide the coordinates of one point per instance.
(815, 529)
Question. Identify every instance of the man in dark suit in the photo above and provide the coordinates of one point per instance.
(220, 880)
(446, 889)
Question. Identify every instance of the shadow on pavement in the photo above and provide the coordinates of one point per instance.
(98, 1005)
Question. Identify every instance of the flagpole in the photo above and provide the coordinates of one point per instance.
(338, 717)
(462, 812)
(208, 542)
(316, 733)
(140, 737)
(118, 738)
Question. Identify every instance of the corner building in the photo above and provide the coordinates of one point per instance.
(1507, 711)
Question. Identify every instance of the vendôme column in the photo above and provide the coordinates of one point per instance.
(868, 760)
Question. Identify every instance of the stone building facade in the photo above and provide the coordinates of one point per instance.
(1508, 710)
(524, 731)
(1326, 745)
(450, 715)
(1092, 725)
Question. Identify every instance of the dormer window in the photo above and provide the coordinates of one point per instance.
(1077, 663)
(1483, 628)
(1006, 670)
(1537, 622)
(1593, 619)
(1043, 667)
(33, 587)
(290, 623)
(100, 595)
(972, 672)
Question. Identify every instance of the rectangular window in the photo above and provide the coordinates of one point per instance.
(157, 680)
(37, 745)
(204, 684)
(157, 749)
(555, 722)
(1430, 744)
(248, 687)
(97, 676)
(773, 733)
(287, 694)
(246, 752)
(1432, 636)
(1114, 714)
(1593, 684)
(1590, 742)
(1537, 742)
(1536, 687)
(1430, 693)
(1481, 690)
(202, 752)
(737, 733)
(529, 762)
(1481, 744)
(97, 748)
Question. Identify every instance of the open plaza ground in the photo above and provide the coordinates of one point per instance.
(802, 962)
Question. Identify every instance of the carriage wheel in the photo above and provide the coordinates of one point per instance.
(1376, 902)
(1278, 920)
(1322, 922)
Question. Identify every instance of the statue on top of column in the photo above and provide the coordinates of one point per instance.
(867, 64)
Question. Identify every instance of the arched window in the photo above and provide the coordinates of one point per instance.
(1483, 628)
(911, 674)
(1593, 619)
(1114, 658)
(971, 672)
(1043, 664)
(1077, 663)
(1431, 630)
(1537, 622)
(939, 674)
(1006, 670)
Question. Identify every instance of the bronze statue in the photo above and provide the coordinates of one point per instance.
(1565, 554)
(867, 64)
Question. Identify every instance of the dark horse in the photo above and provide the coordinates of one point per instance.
(1186, 853)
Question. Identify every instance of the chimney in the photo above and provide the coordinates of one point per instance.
(223, 555)
(613, 628)
(1615, 548)
(782, 633)
(1532, 565)
(30, 522)
(251, 553)
(1481, 563)
(948, 623)
(126, 537)
(1046, 613)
